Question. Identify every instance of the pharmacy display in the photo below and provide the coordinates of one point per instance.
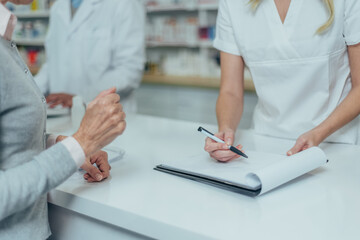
(30, 31)
(254, 176)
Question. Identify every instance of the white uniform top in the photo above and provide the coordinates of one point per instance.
(101, 47)
(300, 76)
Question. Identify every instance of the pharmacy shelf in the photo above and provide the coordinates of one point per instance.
(170, 44)
(206, 43)
(149, 44)
(209, 7)
(33, 14)
(179, 80)
(192, 81)
(30, 42)
(200, 43)
(180, 8)
(169, 8)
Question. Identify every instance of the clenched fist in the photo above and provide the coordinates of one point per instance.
(104, 120)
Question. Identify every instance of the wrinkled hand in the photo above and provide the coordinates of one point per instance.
(94, 174)
(104, 120)
(220, 151)
(56, 99)
(102, 169)
(305, 141)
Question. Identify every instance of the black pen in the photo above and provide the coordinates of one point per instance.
(213, 137)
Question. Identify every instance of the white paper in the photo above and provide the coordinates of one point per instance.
(288, 168)
(260, 169)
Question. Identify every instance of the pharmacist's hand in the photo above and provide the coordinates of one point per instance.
(220, 151)
(102, 169)
(305, 141)
(104, 120)
(56, 99)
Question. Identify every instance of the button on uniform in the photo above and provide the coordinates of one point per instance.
(26, 71)
(43, 99)
(13, 45)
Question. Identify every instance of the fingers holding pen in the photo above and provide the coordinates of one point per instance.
(220, 151)
(211, 145)
(225, 155)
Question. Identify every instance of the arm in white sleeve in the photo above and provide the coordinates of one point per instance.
(129, 53)
(21, 186)
(75, 149)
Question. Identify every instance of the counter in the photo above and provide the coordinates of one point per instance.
(137, 202)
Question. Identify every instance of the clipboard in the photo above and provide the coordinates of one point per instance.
(260, 173)
(216, 182)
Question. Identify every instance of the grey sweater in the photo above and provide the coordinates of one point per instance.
(27, 170)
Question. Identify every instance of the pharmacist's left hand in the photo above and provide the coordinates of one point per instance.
(56, 99)
(99, 172)
(305, 141)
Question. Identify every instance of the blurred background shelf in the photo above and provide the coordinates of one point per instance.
(29, 42)
(197, 44)
(33, 14)
(191, 81)
(181, 7)
(169, 8)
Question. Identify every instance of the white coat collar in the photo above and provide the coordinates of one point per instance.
(64, 11)
(85, 10)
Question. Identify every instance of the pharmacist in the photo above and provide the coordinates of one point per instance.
(304, 57)
(91, 46)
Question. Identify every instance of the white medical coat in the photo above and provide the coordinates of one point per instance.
(102, 46)
(300, 76)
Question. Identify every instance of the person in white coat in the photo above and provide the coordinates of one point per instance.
(304, 57)
(91, 46)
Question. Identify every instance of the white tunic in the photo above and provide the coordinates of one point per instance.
(300, 76)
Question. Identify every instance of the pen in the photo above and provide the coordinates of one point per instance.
(213, 137)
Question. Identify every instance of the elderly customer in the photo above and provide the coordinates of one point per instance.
(27, 169)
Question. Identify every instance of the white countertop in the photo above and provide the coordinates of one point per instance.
(323, 204)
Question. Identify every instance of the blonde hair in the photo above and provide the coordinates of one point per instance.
(329, 4)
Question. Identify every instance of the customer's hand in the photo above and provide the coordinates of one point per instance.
(56, 99)
(104, 120)
(305, 141)
(102, 169)
(220, 151)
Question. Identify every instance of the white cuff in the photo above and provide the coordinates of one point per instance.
(51, 140)
(353, 39)
(75, 149)
(227, 47)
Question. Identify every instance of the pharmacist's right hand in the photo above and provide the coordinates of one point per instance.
(104, 120)
(220, 151)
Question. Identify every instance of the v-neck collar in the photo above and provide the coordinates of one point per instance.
(288, 13)
(283, 31)
(291, 16)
